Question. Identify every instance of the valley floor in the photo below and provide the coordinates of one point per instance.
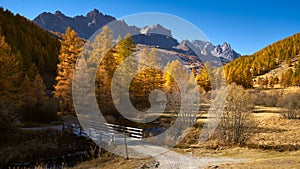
(276, 144)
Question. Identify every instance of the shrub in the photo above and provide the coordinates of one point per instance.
(272, 98)
(42, 113)
(290, 102)
(236, 124)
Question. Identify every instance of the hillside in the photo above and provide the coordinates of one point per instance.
(276, 72)
(244, 69)
(34, 48)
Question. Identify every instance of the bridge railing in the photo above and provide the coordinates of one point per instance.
(112, 129)
(105, 128)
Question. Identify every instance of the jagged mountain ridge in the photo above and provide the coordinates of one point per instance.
(153, 35)
(222, 51)
(85, 26)
(155, 29)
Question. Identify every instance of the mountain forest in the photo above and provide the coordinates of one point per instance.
(37, 68)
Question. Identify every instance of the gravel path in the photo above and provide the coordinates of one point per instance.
(168, 159)
(174, 160)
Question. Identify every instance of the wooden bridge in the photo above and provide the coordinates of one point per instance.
(108, 128)
(106, 132)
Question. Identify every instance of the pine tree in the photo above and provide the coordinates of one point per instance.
(149, 64)
(123, 50)
(102, 61)
(149, 78)
(203, 78)
(266, 81)
(192, 80)
(102, 50)
(32, 71)
(174, 73)
(276, 80)
(35, 102)
(296, 75)
(285, 80)
(28, 98)
(281, 79)
(39, 89)
(125, 54)
(70, 49)
(288, 62)
(9, 86)
(82, 85)
(271, 82)
(179, 85)
(27, 91)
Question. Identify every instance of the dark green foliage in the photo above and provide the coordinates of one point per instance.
(45, 113)
(9, 87)
(29, 43)
(26, 51)
(37, 107)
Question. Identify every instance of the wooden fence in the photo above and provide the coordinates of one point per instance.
(111, 129)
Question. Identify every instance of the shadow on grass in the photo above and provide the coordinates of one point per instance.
(278, 148)
(267, 130)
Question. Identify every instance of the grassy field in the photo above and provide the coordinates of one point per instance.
(275, 144)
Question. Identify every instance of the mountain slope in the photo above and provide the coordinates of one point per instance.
(34, 47)
(242, 69)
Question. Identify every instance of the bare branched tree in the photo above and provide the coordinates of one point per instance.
(290, 102)
(236, 124)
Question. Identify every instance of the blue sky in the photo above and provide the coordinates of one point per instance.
(247, 25)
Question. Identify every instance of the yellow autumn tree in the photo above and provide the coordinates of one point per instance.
(103, 61)
(150, 77)
(126, 64)
(203, 78)
(70, 49)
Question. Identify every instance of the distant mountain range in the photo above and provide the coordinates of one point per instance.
(153, 35)
(85, 26)
(224, 52)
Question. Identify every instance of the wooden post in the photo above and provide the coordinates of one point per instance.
(126, 150)
(71, 128)
(99, 135)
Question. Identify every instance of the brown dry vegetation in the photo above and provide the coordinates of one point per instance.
(27, 148)
(275, 143)
(116, 162)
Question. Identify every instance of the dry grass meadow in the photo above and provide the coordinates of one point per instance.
(275, 144)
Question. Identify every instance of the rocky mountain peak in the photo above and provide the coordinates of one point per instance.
(155, 35)
(226, 46)
(59, 13)
(156, 29)
(85, 26)
(94, 14)
(208, 49)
